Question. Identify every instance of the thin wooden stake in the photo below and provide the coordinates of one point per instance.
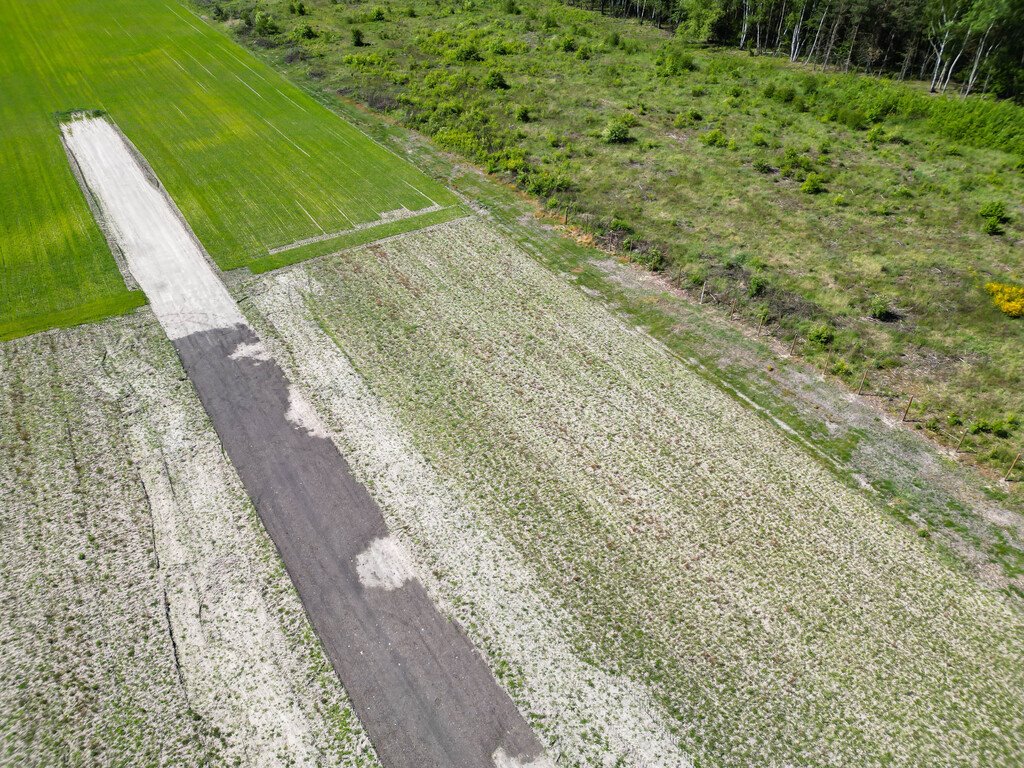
(1014, 464)
(792, 347)
(863, 378)
(962, 438)
(702, 289)
(760, 325)
(907, 409)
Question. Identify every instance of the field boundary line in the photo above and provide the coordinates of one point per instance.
(399, 214)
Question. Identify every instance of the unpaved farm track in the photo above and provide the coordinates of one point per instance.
(146, 616)
(425, 696)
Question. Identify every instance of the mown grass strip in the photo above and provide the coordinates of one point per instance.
(358, 237)
(111, 306)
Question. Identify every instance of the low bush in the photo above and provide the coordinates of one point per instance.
(672, 62)
(467, 52)
(714, 138)
(822, 334)
(995, 210)
(993, 227)
(617, 132)
(1007, 297)
(496, 81)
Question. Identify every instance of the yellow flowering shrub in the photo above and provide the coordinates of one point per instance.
(1009, 298)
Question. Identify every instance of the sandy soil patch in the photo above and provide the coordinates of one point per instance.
(777, 613)
(148, 619)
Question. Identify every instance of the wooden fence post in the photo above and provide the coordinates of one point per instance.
(1012, 465)
(703, 288)
(863, 378)
(907, 409)
(962, 438)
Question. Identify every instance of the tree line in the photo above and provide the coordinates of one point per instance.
(957, 46)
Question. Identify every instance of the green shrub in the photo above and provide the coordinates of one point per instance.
(522, 114)
(672, 62)
(852, 118)
(758, 285)
(496, 81)
(714, 138)
(545, 183)
(996, 209)
(466, 52)
(566, 44)
(758, 139)
(616, 132)
(357, 37)
(509, 6)
(377, 14)
(264, 24)
(822, 334)
(993, 227)
(879, 309)
(651, 258)
(763, 166)
(795, 165)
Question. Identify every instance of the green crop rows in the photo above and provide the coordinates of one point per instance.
(252, 161)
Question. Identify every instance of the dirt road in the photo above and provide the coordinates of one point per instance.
(422, 691)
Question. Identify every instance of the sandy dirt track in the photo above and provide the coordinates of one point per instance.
(163, 256)
(147, 618)
(424, 694)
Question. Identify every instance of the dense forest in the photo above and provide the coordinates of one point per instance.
(957, 46)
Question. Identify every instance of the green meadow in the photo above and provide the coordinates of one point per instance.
(252, 161)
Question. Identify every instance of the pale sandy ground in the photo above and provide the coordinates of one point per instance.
(164, 258)
(781, 616)
(589, 717)
(120, 513)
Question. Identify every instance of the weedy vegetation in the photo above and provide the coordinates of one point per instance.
(837, 188)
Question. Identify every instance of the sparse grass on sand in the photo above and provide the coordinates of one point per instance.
(148, 619)
(780, 616)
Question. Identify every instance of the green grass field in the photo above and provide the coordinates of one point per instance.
(252, 161)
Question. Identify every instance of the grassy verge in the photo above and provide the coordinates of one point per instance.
(357, 237)
(840, 212)
(118, 304)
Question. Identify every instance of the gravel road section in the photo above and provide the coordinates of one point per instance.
(424, 694)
